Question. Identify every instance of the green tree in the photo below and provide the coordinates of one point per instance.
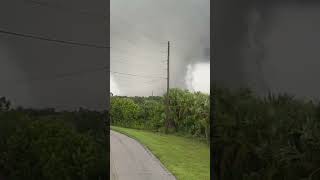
(124, 112)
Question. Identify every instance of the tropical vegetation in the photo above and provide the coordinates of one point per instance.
(276, 137)
(45, 144)
(188, 113)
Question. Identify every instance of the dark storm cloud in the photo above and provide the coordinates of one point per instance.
(139, 31)
(29, 67)
(267, 45)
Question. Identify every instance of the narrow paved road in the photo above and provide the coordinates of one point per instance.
(129, 160)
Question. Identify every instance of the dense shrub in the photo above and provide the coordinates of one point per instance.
(125, 112)
(152, 114)
(276, 137)
(44, 144)
(189, 112)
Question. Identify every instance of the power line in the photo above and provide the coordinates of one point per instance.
(64, 75)
(138, 64)
(137, 58)
(137, 75)
(129, 78)
(52, 40)
(145, 82)
(159, 64)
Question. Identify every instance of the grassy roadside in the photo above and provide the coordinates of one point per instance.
(186, 158)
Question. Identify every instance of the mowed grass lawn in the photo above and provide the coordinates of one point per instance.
(186, 158)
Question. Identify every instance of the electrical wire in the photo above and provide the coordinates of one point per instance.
(147, 35)
(138, 64)
(137, 75)
(66, 75)
(61, 76)
(129, 79)
(140, 83)
(51, 39)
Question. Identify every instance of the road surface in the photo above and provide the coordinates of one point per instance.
(129, 160)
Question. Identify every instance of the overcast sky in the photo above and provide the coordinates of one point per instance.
(268, 45)
(39, 73)
(139, 33)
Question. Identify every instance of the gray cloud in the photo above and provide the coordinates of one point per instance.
(139, 31)
(268, 45)
(29, 67)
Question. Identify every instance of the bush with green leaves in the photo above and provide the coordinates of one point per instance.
(41, 144)
(47, 150)
(152, 113)
(276, 137)
(125, 112)
(188, 112)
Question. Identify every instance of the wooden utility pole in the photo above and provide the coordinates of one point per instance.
(167, 98)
